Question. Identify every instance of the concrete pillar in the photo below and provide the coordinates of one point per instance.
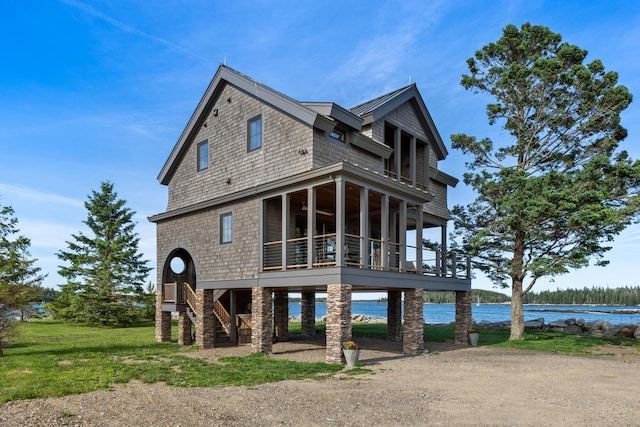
(308, 314)
(394, 315)
(413, 334)
(163, 319)
(205, 319)
(281, 315)
(338, 321)
(184, 329)
(261, 318)
(463, 316)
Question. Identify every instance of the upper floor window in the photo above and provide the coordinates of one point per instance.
(203, 156)
(226, 228)
(254, 133)
(337, 134)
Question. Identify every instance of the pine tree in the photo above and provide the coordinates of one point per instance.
(105, 272)
(19, 277)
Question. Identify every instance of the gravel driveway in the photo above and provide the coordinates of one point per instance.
(448, 386)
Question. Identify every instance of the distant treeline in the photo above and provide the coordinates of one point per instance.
(476, 295)
(595, 295)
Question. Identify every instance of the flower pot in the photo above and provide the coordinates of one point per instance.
(473, 338)
(352, 357)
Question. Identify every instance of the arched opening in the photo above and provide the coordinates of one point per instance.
(178, 268)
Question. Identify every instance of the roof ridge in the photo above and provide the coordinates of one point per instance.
(372, 104)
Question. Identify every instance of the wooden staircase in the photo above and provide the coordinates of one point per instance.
(222, 332)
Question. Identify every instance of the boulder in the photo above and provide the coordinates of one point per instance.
(612, 331)
(573, 329)
(557, 324)
(627, 331)
(570, 321)
(636, 334)
(580, 322)
(596, 324)
(534, 324)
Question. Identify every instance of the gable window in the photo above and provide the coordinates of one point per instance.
(226, 228)
(203, 156)
(337, 134)
(254, 133)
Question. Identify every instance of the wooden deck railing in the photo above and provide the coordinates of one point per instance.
(223, 316)
(190, 296)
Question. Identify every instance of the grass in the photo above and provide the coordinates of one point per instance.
(50, 358)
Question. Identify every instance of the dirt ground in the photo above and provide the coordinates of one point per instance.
(448, 386)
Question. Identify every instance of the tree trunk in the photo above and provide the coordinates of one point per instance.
(517, 315)
(517, 276)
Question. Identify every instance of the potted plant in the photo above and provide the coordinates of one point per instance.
(351, 350)
(474, 336)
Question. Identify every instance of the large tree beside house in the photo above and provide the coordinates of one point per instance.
(105, 271)
(556, 189)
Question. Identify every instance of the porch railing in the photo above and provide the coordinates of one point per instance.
(434, 263)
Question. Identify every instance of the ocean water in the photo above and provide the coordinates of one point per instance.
(445, 313)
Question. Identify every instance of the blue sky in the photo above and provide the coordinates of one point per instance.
(98, 90)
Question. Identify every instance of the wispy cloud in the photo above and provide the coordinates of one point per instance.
(39, 196)
(133, 30)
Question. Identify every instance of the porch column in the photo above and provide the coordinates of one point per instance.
(419, 219)
(205, 319)
(261, 335)
(463, 316)
(412, 160)
(311, 225)
(402, 238)
(338, 321)
(364, 227)
(184, 329)
(163, 319)
(397, 148)
(281, 315)
(394, 315)
(285, 229)
(308, 314)
(413, 333)
(384, 231)
(340, 222)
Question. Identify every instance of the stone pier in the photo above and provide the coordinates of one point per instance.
(308, 314)
(338, 321)
(205, 319)
(163, 319)
(281, 315)
(184, 329)
(463, 317)
(413, 334)
(394, 316)
(261, 319)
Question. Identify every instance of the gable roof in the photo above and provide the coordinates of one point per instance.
(226, 75)
(379, 107)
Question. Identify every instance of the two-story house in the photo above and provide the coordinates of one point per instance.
(270, 196)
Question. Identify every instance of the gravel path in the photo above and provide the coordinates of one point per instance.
(449, 386)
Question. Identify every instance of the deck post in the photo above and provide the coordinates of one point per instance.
(205, 319)
(338, 321)
(163, 319)
(463, 316)
(261, 318)
(394, 315)
(281, 315)
(184, 329)
(308, 314)
(413, 334)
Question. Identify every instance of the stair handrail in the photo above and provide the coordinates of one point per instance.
(190, 296)
(223, 316)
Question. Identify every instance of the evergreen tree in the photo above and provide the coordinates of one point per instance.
(19, 277)
(105, 272)
(556, 189)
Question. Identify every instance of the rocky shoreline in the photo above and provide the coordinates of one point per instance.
(573, 326)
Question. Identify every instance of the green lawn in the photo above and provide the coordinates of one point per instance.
(51, 358)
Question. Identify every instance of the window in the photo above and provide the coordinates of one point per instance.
(226, 228)
(254, 133)
(203, 156)
(337, 134)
